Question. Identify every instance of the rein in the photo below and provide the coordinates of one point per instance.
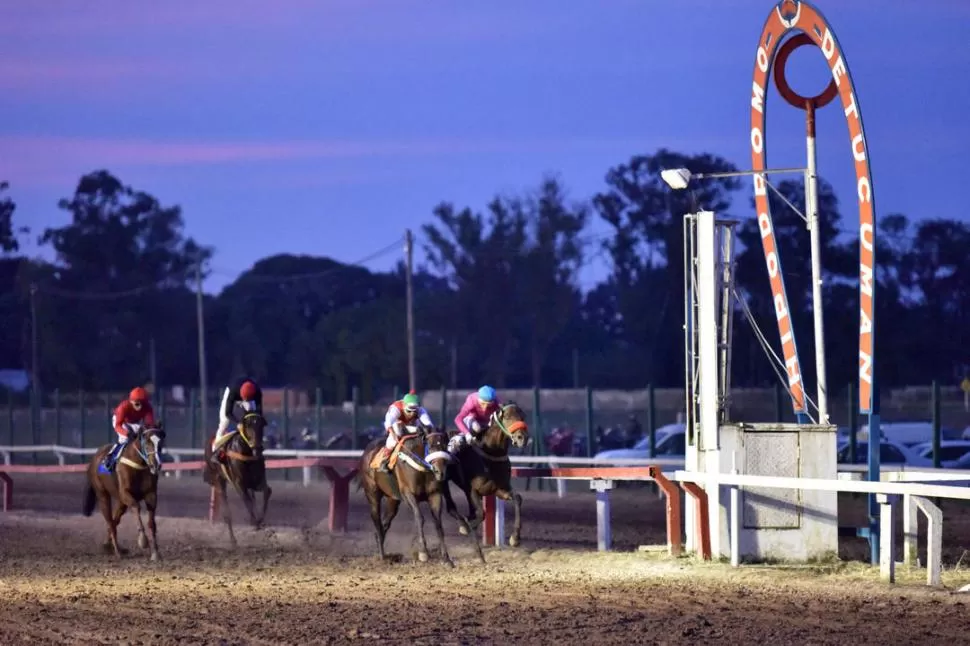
(250, 441)
(138, 446)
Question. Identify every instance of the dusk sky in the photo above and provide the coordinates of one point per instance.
(328, 127)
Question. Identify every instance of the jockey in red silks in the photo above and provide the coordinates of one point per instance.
(474, 417)
(130, 414)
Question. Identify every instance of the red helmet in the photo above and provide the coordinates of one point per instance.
(248, 390)
(137, 394)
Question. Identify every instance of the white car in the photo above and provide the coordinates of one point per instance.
(671, 443)
(889, 453)
(951, 451)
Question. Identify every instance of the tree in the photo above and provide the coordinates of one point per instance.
(124, 270)
(647, 253)
(513, 275)
(8, 233)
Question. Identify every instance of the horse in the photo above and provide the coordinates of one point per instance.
(483, 468)
(416, 476)
(244, 467)
(135, 479)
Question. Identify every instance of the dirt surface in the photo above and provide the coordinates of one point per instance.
(294, 583)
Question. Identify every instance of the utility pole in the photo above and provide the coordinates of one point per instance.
(409, 276)
(200, 324)
(152, 370)
(34, 369)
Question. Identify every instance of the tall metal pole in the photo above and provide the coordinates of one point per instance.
(811, 207)
(200, 324)
(408, 263)
(153, 370)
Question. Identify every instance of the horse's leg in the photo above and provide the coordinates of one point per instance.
(267, 492)
(463, 527)
(104, 501)
(392, 508)
(375, 515)
(250, 501)
(226, 514)
(151, 503)
(434, 504)
(507, 495)
(119, 511)
(418, 524)
(475, 502)
(142, 539)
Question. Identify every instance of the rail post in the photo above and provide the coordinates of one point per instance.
(286, 427)
(355, 416)
(853, 425)
(82, 414)
(318, 414)
(444, 406)
(589, 422)
(57, 416)
(193, 421)
(10, 418)
(536, 419)
(937, 430)
(652, 418)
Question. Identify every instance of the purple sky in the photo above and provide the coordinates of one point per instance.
(327, 128)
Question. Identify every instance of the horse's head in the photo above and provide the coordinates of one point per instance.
(251, 432)
(149, 442)
(436, 441)
(508, 424)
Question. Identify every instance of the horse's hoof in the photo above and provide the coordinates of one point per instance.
(423, 557)
(513, 541)
(449, 562)
(155, 557)
(142, 541)
(463, 530)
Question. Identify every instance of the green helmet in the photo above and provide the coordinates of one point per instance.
(411, 400)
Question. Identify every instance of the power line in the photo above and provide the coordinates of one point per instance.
(101, 296)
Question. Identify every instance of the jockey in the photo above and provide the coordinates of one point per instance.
(249, 396)
(473, 418)
(130, 414)
(400, 414)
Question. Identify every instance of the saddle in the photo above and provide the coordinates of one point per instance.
(375, 461)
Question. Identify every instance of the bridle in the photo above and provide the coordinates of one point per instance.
(150, 459)
(249, 440)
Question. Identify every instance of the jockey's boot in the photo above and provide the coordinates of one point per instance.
(214, 459)
(111, 457)
(385, 459)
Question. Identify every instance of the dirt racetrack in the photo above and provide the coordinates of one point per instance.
(294, 583)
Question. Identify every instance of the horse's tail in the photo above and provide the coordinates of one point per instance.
(90, 499)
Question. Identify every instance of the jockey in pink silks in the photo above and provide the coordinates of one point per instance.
(473, 418)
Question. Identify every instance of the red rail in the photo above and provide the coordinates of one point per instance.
(340, 489)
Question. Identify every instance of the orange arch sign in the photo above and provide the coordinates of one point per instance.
(785, 17)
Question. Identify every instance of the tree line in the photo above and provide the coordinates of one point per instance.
(496, 298)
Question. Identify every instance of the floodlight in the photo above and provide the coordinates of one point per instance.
(676, 178)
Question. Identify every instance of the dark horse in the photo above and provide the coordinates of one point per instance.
(483, 468)
(243, 466)
(135, 479)
(417, 476)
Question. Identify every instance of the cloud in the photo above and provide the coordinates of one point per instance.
(28, 159)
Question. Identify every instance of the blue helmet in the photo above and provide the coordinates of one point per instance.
(486, 394)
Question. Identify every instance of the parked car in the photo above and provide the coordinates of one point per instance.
(950, 451)
(671, 443)
(889, 453)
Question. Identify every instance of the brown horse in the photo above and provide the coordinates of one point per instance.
(416, 476)
(135, 479)
(483, 468)
(243, 466)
